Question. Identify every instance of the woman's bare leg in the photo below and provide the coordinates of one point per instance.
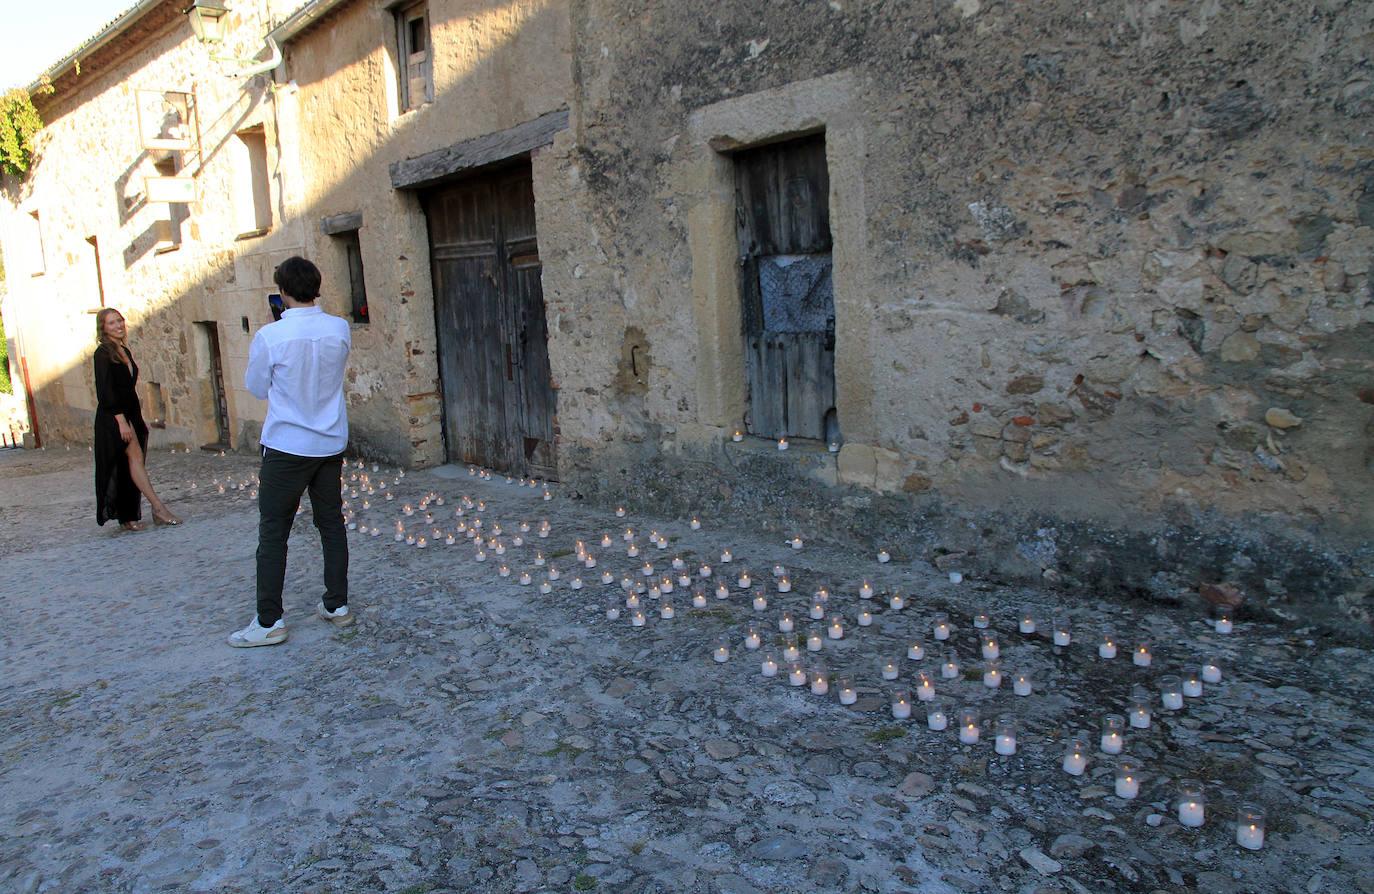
(140, 476)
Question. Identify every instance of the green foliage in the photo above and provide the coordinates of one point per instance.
(5, 385)
(584, 882)
(19, 121)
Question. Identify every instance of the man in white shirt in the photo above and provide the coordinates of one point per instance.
(297, 365)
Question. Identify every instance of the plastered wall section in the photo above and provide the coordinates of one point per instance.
(88, 181)
(496, 65)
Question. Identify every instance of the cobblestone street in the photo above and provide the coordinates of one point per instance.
(471, 734)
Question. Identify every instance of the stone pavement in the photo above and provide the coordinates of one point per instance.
(471, 734)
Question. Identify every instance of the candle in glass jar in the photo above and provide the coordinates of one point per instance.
(791, 651)
(795, 543)
(1211, 671)
(744, 581)
(820, 681)
(698, 599)
(726, 557)
(1192, 684)
(813, 640)
(1127, 779)
(1027, 623)
(737, 436)
(1192, 810)
(968, 726)
(1107, 647)
(539, 558)
(796, 676)
(1076, 757)
(769, 665)
(612, 610)
(889, 670)
(865, 618)
(1171, 692)
(936, 718)
(503, 571)
(1021, 684)
(848, 694)
(722, 591)
(722, 650)
(607, 577)
(884, 556)
(1223, 622)
(982, 620)
(992, 675)
(866, 590)
(554, 573)
(896, 601)
(940, 626)
(760, 601)
(786, 623)
(684, 579)
(835, 629)
(784, 584)
(637, 618)
(704, 571)
(545, 587)
(949, 668)
(632, 551)
(901, 704)
(695, 523)
(956, 577)
(1005, 732)
(916, 650)
(1250, 827)
(991, 650)
(925, 689)
(1113, 734)
(665, 611)
(752, 639)
(1141, 657)
(782, 443)
(1139, 710)
(817, 610)
(665, 584)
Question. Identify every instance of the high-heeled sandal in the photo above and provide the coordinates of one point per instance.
(169, 521)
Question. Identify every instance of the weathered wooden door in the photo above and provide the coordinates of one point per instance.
(489, 308)
(783, 221)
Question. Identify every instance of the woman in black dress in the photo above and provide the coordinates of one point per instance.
(121, 437)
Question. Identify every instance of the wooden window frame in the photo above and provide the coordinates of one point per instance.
(408, 18)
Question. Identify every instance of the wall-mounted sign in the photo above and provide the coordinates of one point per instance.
(170, 189)
(165, 119)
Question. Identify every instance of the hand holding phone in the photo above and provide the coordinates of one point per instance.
(275, 304)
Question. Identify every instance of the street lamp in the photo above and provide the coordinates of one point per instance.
(205, 18)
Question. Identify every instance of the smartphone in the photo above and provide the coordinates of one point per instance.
(274, 302)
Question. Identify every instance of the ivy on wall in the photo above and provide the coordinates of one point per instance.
(19, 122)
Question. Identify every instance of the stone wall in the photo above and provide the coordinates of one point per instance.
(1111, 279)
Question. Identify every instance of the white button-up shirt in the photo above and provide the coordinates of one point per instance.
(297, 365)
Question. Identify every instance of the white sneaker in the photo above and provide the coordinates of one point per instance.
(339, 616)
(257, 635)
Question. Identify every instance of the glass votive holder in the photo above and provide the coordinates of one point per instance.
(612, 609)
(1127, 779)
(1021, 684)
(990, 646)
(939, 626)
(1004, 731)
(814, 640)
(992, 674)
(865, 618)
(752, 638)
(721, 652)
(1211, 671)
(1171, 692)
(1076, 756)
(896, 601)
(698, 599)
(760, 601)
(1250, 826)
(1192, 683)
(866, 590)
(981, 619)
(637, 618)
(1106, 646)
(786, 622)
(1140, 656)
(666, 610)
(722, 591)
(1063, 632)
(969, 729)
(1222, 620)
(848, 694)
(936, 718)
(915, 650)
(1139, 708)
(925, 688)
(791, 649)
(819, 679)
(889, 669)
(1192, 804)
(768, 664)
(949, 666)
(901, 704)
(835, 628)
(817, 610)
(1113, 734)
(1027, 623)
(745, 581)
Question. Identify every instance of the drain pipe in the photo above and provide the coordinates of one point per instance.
(263, 67)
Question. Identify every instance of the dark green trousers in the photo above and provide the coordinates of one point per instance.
(284, 477)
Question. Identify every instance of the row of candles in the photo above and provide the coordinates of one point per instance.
(1190, 803)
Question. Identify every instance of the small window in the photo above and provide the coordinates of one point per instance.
(357, 283)
(172, 216)
(415, 62)
(99, 276)
(158, 404)
(252, 189)
(39, 254)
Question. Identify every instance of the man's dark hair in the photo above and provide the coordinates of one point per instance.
(298, 278)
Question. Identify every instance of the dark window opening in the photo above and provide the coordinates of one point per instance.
(357, 281)
(414, 62)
